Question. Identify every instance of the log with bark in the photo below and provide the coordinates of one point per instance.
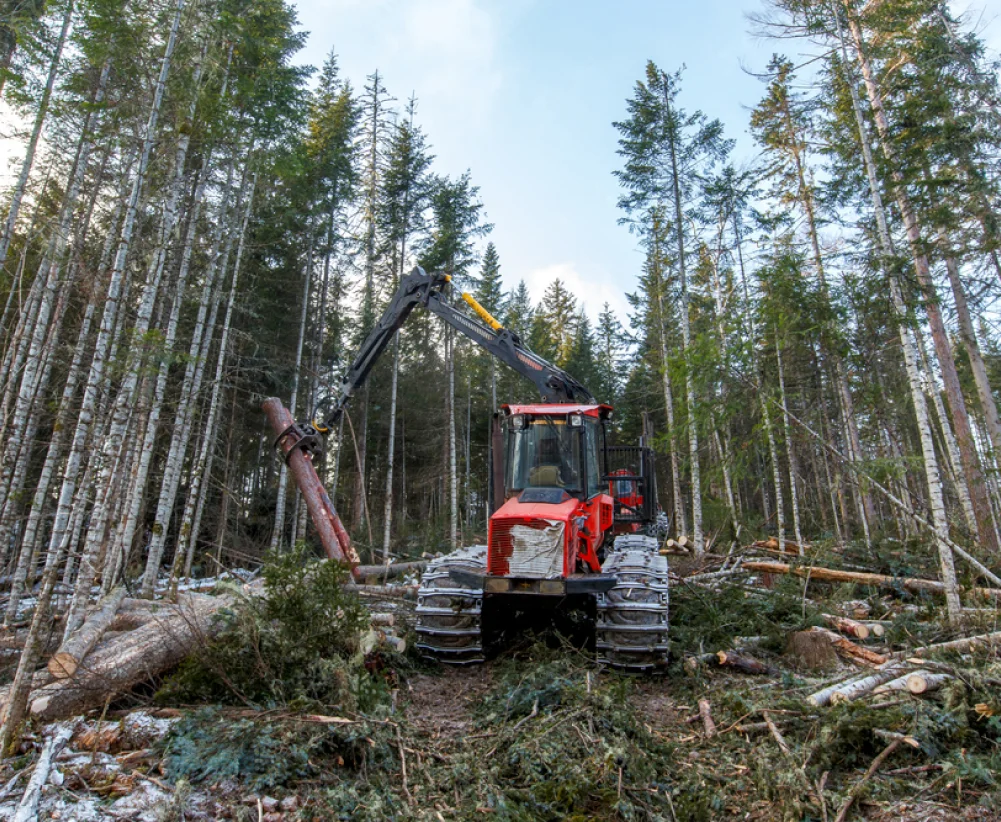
(859, 577)
(921, 682)
(894, 685)
(851, 691)
(116, 666)
(745, 663)
(64, 662)
(27, 809)
(964, 645)
(384, 572)
(847, 648)
(705, 713)
(846, 626)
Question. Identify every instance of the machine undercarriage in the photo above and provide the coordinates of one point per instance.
(457, 623)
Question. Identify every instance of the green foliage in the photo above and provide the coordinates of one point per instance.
(295, 646)
(712, 619)
(206, 746)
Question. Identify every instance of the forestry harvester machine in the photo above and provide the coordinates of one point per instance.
(573, 519)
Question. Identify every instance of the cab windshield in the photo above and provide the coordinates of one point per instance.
(544, 453)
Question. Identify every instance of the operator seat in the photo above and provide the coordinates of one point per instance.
(545, 476)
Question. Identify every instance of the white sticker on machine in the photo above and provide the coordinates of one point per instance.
(537, 552)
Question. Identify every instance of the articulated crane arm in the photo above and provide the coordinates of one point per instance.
(300, 443)
(419, 288)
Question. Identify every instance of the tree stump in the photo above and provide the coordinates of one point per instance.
(811, 651)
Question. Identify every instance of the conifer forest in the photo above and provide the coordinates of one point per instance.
(193, 220)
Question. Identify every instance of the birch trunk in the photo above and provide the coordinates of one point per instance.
(680, 525)
(391, 450)
(36, 133)
(187, 534)
(932, 476)
(453, 528)
(91, 562)
(940, 337)
(790, 455)
(96, 375)
(949, 445)
(278, 533)
(686, 341)
(136, 494)
(198, 351)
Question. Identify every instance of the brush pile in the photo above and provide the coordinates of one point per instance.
(788, 697)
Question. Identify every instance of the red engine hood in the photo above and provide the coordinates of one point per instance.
(513, 509)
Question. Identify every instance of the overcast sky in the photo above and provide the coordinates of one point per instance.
(523, 93)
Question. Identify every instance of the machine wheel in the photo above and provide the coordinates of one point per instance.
(631, 632)
(450, 617)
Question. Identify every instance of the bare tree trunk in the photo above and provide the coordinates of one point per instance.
(91, 562)
(36, 133)
(949, 445)
(277, 534)
(686, 342)
(940, 337)
(453, 529)
(969, 339)
(680, 525)
(198, 353)
(790, 455)
(391, 450)
(188, 533)
(932, 476)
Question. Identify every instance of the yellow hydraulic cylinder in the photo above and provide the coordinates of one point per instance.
(485, 315)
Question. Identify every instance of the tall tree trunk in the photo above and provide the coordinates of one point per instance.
(198, 353)
(686, 342)
(387, 516)
(453, 523)
(969, 339)
(790, 454)
(60, 535)
(277, 535)
(933, 479)
(36, 132)
(940, 338)
(188, 532)
(680, 525)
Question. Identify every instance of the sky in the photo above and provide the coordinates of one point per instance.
(523, 94)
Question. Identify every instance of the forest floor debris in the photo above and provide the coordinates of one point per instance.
(288, 717)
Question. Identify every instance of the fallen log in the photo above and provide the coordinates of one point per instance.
(921, 682)
(894, 685)
(846, 626)
(964, 645)
(401, 591)
(27, 809)
(117, 666)
(384, 572)
(856, 689)
(815, 572)
(382, 620)
(64, 662)
(849, 649)
(744, 663)
(876, 627)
